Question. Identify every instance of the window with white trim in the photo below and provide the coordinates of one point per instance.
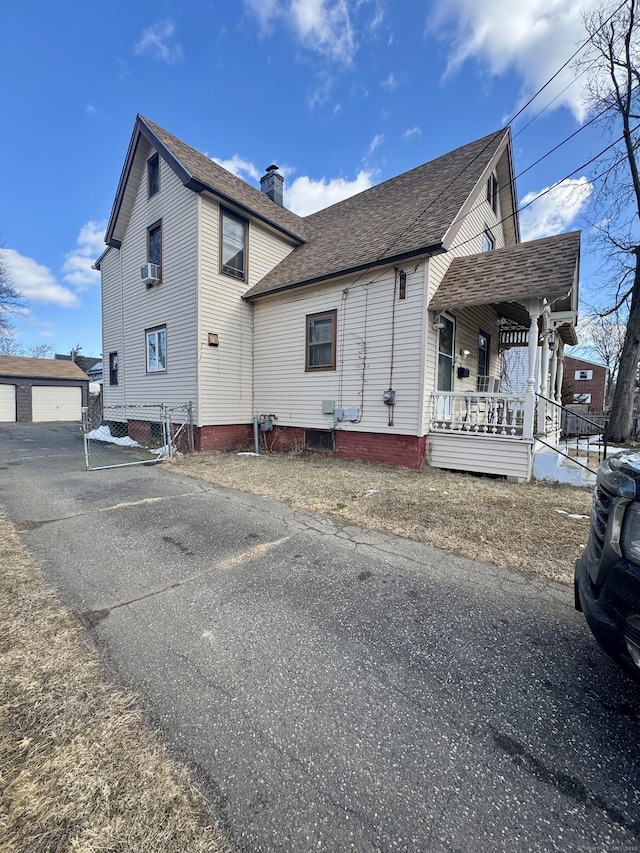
(582, 398)
(584, 374)
(156, 347)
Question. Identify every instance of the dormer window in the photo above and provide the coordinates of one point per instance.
(153, 174)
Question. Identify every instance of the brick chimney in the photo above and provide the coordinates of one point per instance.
(272, 184)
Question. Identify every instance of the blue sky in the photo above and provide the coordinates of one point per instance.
(341, 94)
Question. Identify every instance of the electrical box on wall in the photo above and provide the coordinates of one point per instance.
(339, 413)
(389, 397)
(328, 407)
(353, 413)
(463, 372)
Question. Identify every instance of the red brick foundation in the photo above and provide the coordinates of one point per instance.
(227, 437)
(406, 450)
(140, 431)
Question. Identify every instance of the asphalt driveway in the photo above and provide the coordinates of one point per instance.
(334, 689)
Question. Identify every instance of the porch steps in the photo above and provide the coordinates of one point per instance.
(552, 466)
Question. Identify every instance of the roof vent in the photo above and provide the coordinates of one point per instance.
(272, 184)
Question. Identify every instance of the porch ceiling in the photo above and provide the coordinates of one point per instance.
(508, 278)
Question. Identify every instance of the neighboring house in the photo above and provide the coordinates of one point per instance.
(587, 382)
(41, 389)
(84, 362)
(371, 329)
(95, 373)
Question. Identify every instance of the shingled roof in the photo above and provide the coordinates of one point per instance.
(200, 174)
(505, 278)
(402, 217)
(40, 368)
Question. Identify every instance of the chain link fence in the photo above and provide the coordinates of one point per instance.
(135, 434)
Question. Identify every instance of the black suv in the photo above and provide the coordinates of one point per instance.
(607, 575)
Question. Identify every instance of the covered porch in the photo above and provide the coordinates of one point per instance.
(533, 290)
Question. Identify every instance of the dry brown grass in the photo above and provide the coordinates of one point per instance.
(525, 527)
(78, 769)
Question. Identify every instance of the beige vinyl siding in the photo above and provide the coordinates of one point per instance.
(481, 454)
(363, 354)
(469, 230)
(112, 332)
(468, 323)
(172, 303)
(226, 371)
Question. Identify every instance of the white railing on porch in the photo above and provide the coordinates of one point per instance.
(500, 415)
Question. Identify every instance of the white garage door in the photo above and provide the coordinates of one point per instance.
(7, 403)
(50, 403)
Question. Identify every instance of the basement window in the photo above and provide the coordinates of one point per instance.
(319, 439)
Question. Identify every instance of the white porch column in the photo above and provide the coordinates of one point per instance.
(553, 390)
(544, 357)
(535, 309)
(560, 376)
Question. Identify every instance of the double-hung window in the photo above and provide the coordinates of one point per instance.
(156, 346)
(321, 341)
(113, 368)
(154, 245)
(233, 250)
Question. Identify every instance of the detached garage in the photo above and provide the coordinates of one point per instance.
(41, 389)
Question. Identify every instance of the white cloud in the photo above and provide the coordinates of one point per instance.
(389, 83)
(411, 131)
(90, 245)
(531, 37)
(556, 210)
(323, 26)
(156, 43)
(36, 282)
(377, 140)
(305, 195)
(238, 166)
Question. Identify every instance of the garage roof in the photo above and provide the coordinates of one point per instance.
(41, 368)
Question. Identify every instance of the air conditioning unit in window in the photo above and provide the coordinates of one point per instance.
(488, 384)
(150, 274)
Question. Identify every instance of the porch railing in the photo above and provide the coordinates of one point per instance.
(500, 415)
(583, 440)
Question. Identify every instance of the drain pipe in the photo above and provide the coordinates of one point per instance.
(256, 442)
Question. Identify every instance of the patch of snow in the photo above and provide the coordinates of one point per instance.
(371, 492)
(571, 514)
(103, 433)
(247, 453)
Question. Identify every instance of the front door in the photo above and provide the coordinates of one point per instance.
(444, 377)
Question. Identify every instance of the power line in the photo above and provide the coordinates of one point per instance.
(416, 219)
